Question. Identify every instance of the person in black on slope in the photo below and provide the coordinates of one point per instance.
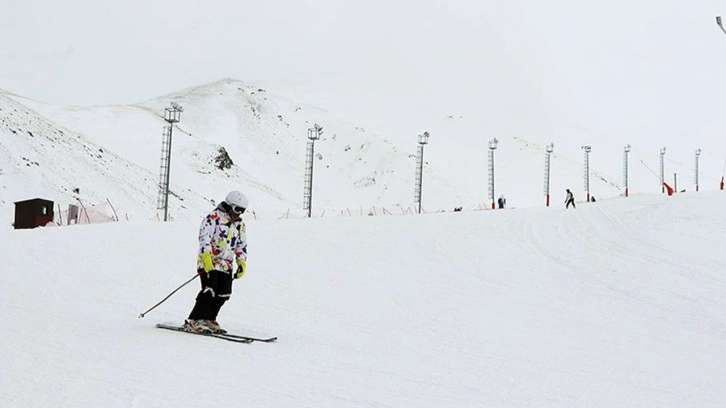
(570, 199)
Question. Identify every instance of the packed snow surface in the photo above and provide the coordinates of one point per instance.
(616, 303)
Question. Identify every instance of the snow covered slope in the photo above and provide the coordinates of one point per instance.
(264, 133)
(40, 158)
(265, 137)
(618, 303)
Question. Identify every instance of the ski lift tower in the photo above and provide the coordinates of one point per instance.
(313, 135)
(587, 150)
(172, 115)
(548, 153)
(695, 179)
(721, 186)
(423, 139)
(626, 151)
(492, 148)
(662, 169)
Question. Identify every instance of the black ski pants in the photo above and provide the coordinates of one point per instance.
(216, 289)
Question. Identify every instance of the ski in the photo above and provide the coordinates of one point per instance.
(225, 336)
(215, 335)
(264, 340)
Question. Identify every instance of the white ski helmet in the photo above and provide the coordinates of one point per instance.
(236, 199)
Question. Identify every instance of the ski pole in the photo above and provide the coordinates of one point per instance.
(168, 296)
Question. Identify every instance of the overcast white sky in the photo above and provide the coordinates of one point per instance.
(635, 65)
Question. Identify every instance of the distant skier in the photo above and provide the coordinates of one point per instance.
(570, 199)
(502, 201)
(222, 243)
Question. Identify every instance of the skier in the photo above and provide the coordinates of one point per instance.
(222, 243)
(570, 199)
(502, 201)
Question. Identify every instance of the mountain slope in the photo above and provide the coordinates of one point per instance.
(43, 159)
(264, 134)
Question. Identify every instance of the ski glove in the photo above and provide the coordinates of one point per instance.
(207, 262)
(241, 269)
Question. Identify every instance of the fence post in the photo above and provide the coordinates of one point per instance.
(112, 209)
(88, 219)
(60, 215)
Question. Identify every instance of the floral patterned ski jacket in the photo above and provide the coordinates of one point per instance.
(224, 238)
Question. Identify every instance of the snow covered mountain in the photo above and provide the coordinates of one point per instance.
(111, 155)
(263, 135)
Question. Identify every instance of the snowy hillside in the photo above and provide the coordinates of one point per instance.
(265, 137)
(525, 72)
(40, 158)
(615, 304)
(112, 155)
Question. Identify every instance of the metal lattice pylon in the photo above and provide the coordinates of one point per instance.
(162, 197)
(419, 175)
(491, 176)
(625, 170)
(308, 186)
(547, 174)
(662, 170)
(547, 166)
(586, 174)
